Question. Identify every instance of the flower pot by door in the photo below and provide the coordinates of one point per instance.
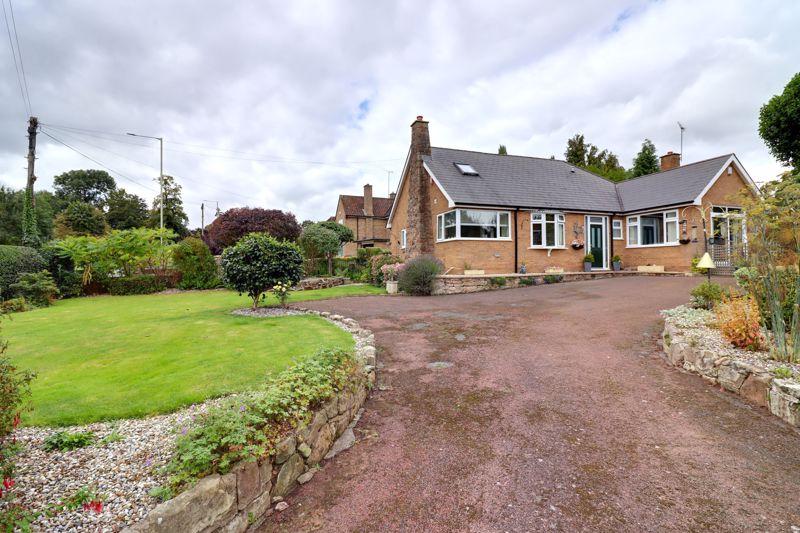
(587, 266)
(391, 287)
(617, 266)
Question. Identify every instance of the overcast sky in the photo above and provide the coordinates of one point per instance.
(313, 99)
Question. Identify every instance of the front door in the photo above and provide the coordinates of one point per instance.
(596, 239)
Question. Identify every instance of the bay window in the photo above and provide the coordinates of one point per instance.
(547, 230)
(653, 229)
(473, 224)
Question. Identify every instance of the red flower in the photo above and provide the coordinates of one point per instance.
(16, 421)
(94, 505)
(1, 494)
(8, 483)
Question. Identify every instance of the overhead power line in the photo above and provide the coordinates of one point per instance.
(92, 159)
(19, 53)
(14, 51)
(255, 157)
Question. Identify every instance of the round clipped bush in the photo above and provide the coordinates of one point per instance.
(258, 262)
(419, 274)
(15, 261)
(198, 268)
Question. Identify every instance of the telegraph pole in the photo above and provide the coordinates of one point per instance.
(33, 127)
(202, 218)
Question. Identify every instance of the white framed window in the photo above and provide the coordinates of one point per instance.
(547, 230)
(653, 229)
(616, 230)
(403, 240)
(473, 224)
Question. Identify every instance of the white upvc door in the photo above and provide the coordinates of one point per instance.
(597, 240)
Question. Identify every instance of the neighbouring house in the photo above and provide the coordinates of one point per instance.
(366, 216)
(496, 213)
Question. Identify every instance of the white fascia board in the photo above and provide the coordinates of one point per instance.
(732, 160)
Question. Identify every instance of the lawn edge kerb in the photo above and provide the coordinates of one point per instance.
(240, 497)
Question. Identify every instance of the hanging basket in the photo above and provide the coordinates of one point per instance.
(576, 245)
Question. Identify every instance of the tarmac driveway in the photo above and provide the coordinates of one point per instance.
(546, 408)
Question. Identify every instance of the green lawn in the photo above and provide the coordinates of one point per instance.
(113, 357)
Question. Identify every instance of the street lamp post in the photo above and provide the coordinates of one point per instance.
(160, 175)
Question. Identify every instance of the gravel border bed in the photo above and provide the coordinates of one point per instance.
(122, 472)
(695, 325)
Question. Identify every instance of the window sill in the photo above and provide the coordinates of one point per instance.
(652, 245)
(547, 247)
(501, 239)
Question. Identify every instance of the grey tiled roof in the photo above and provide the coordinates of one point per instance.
(531, 182)
(516, 181)
(676, 186)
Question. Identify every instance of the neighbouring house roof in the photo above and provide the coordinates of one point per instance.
(354, 206)
(532, 182)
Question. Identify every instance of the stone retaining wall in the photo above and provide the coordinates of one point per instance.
(242, 499)
(459, 284)
(756, 385)
(308, 284)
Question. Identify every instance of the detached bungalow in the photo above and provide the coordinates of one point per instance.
(496, 213)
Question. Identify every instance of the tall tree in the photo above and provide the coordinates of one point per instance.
(588, 156)
(126, 210)
(235, 223)
(90, 186)
(11, 207)
(501, 150)
(646, 161)
(576, 150)
(174, 216)
(80, 218)
(779, 124)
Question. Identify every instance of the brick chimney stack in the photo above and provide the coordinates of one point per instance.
(670, 160)
(368, 208)
(420, 227)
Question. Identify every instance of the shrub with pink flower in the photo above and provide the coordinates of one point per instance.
(392, 271)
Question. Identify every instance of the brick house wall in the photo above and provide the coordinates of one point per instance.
(363, 227)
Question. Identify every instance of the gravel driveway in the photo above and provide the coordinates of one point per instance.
(553, 412)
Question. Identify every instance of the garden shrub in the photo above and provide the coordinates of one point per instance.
(527, 282)
(13, 305)
(15, 261)
(553, 278)
(249, 425)
(61, 267)
(739, 321)
(782, 372)
(706, 295)
(784, 287)
(376, 262)
(346, 267)
(419, 274)
(141, 284)
(235, 223)
(258, 262)
(15, 385)
(38, 288)
(497, 281)
(196, 264)
(66, 440)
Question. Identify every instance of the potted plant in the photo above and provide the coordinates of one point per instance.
(588, 259)
(616, 263)
(390, 273)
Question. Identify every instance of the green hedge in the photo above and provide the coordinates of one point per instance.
(15, 261)
(142, 284)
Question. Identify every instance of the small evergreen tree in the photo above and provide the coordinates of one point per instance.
(646, 161)
(501, 150)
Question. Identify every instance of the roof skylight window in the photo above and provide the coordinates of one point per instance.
(466, 169)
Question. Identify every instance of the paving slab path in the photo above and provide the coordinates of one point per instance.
(546, 408)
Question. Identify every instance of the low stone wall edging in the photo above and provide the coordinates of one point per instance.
(242, 499)
(462, 284)
(780, 396)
